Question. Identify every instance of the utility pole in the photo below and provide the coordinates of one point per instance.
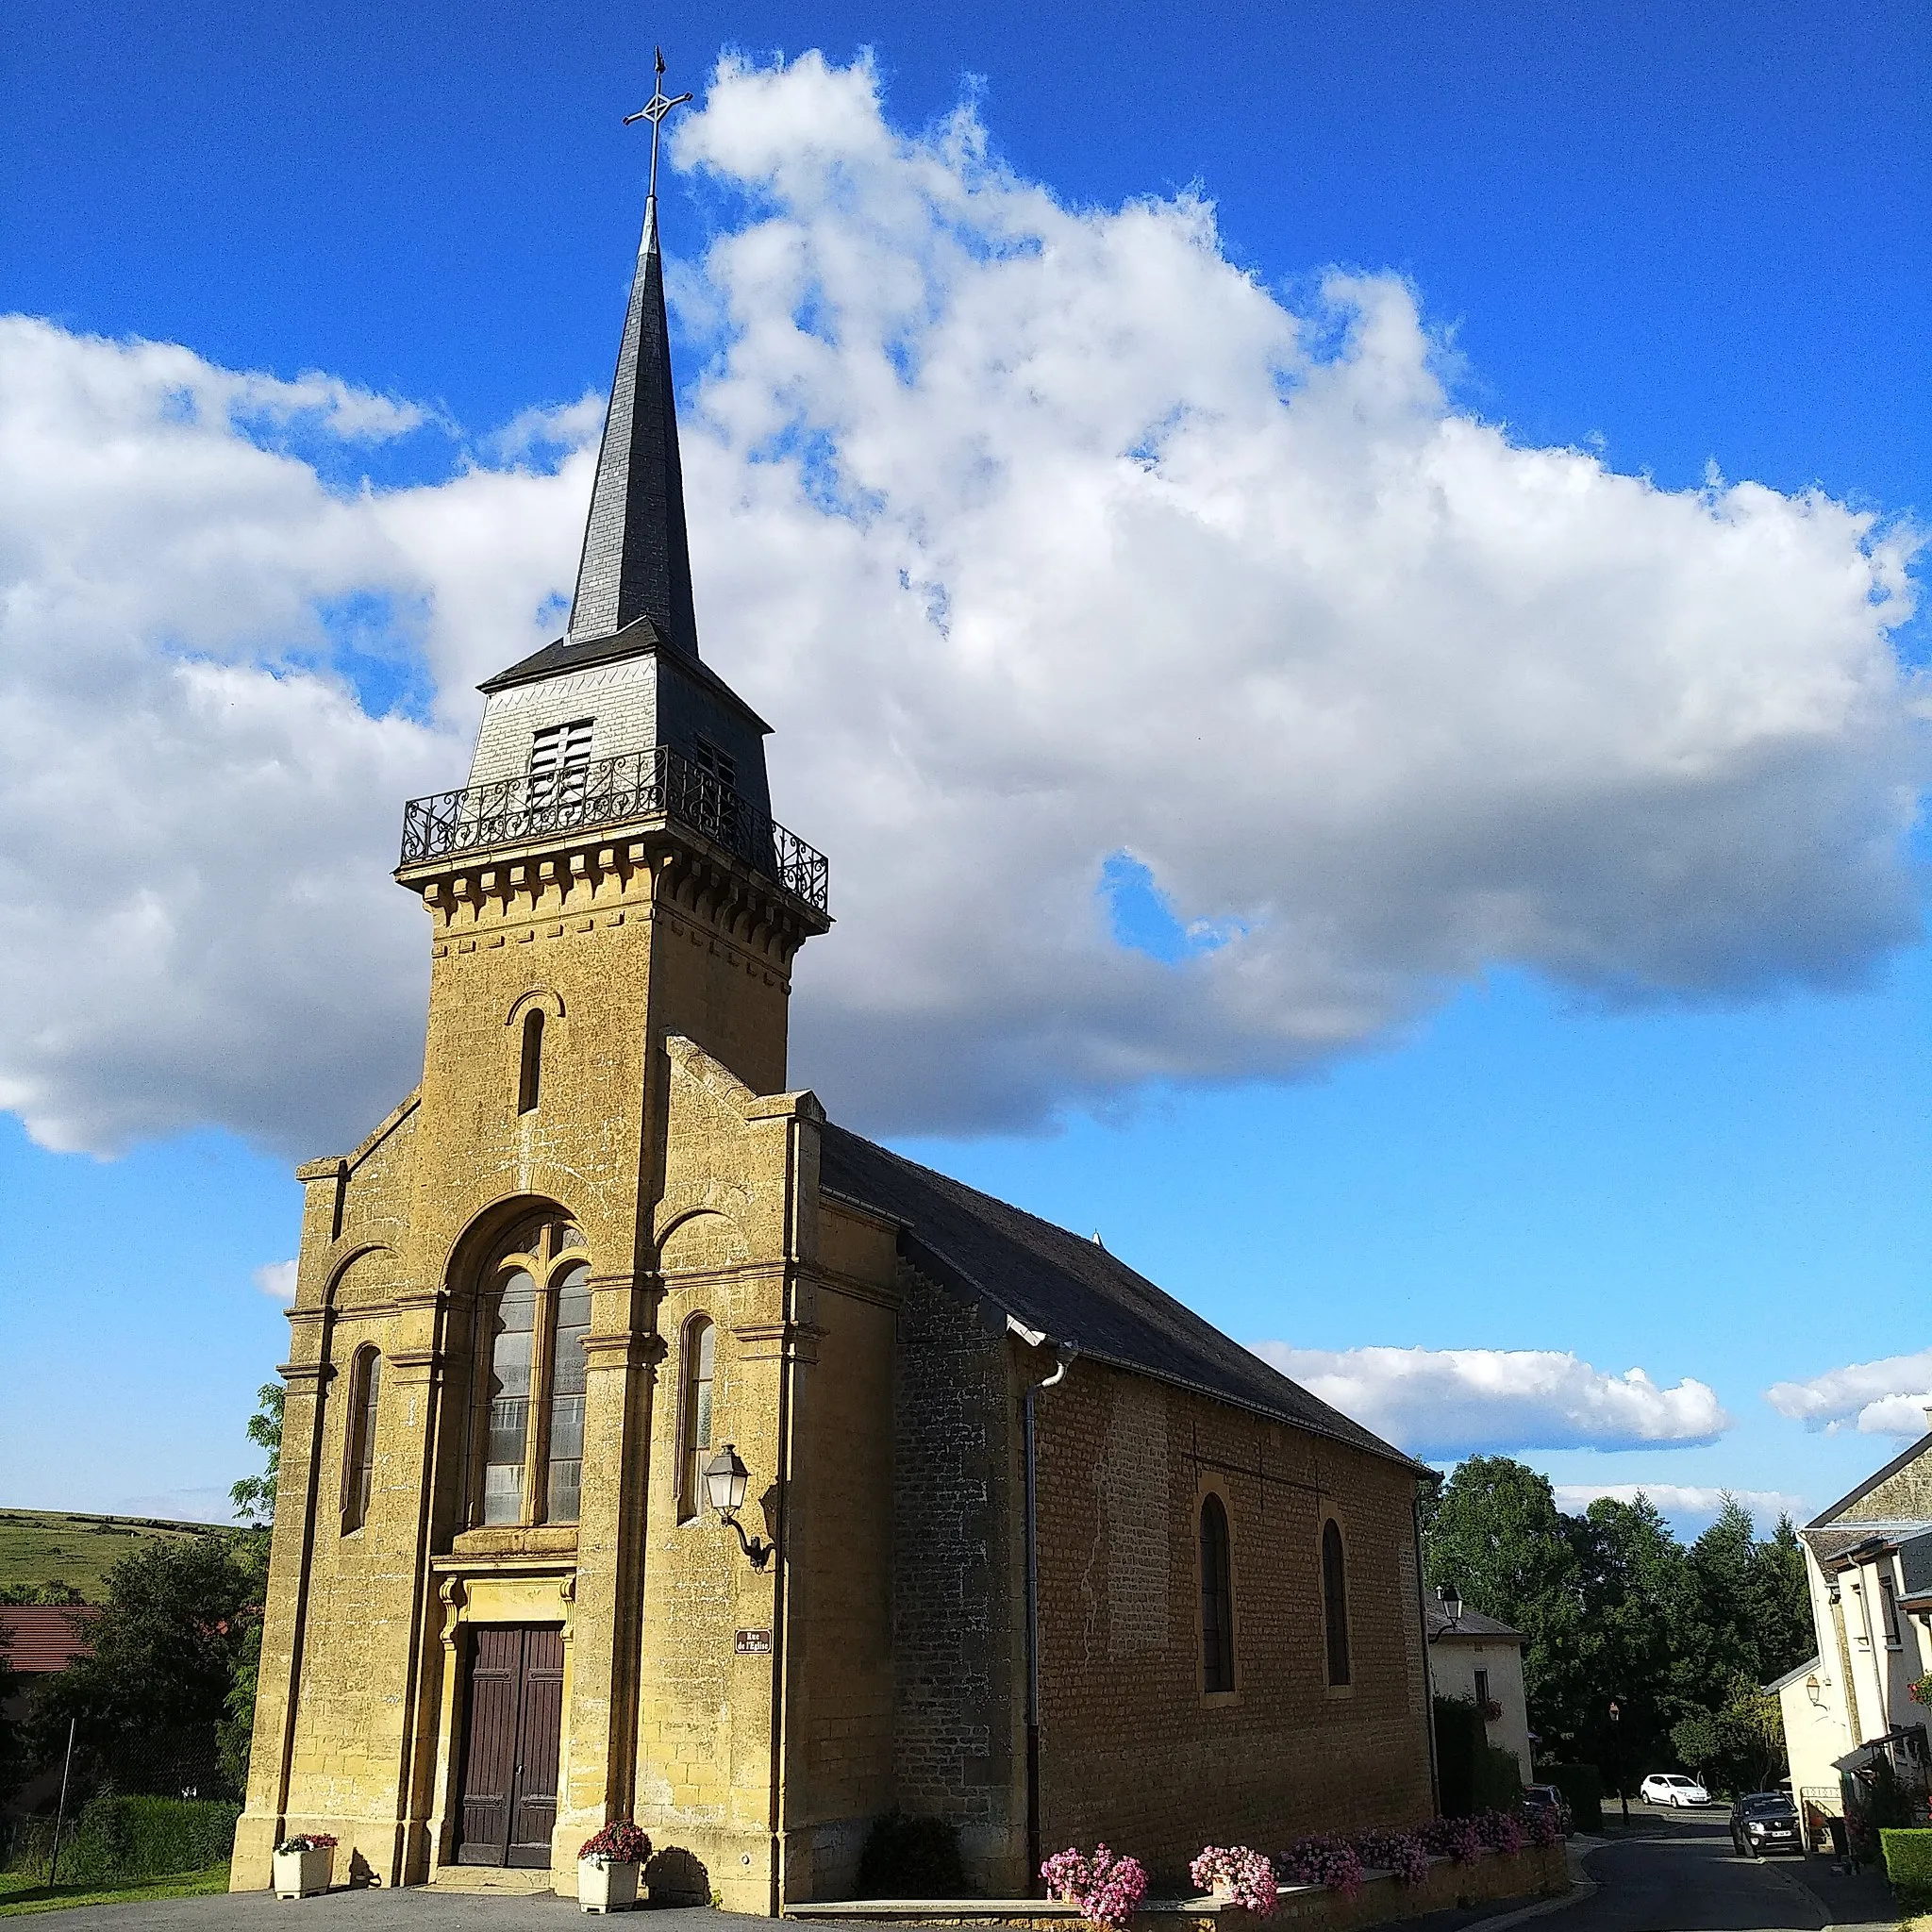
(61, 1810)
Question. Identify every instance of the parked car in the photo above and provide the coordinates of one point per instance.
(1548, 1798)
(1765, 1821)
(1672, 1787)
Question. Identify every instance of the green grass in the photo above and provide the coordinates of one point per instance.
(42, 1546)
(21, 1893)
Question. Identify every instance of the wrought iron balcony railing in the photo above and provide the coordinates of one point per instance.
(638, 785)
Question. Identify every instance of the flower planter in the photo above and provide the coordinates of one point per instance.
(303, 1874)
(608, 1885)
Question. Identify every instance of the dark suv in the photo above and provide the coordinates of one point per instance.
(1765, 1821)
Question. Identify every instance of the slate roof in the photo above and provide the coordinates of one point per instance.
(636, 558)
(634, 640)
(42, 1637)
(1471, 1624)
(1829, 1544)
(1067, 1288)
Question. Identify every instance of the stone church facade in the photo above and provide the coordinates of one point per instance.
(1023, 1544)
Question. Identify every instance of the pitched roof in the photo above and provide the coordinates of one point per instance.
(1840, 1538)
(636, 558)
(1903, 1461)
(1067, 1288)
(1471, 1623)
(42, 1638)
(1792, 1675)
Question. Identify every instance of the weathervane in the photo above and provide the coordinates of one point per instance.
(654, 111)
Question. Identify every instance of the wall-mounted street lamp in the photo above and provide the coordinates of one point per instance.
(1451, 1599)
(725, 1477)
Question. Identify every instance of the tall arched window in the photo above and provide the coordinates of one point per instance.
(1217, 1599)
(1335, 1600)
(535, 1312)
(359, 1449)
(530, 1072)
(695, 1374)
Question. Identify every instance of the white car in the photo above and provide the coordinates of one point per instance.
(1669, 1788)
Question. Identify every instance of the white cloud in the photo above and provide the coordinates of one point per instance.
(1043, 536)
(1684, 1502)
(277, 1279)
(1883, 1398)
(1453, 1401)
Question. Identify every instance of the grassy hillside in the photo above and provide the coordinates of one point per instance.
(41, 1546)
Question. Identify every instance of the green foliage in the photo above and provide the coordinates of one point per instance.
(13, 1752)
(1613, 1609)
(119, 1838)
(254, 1495)
(165, 1646)
(1907, 1861)
(1737, 1747)
(1582, 1787)
(1476, 1774)
(56, 1594)
(911, 1857)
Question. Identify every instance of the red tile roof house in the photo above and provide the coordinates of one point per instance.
(39, 1639)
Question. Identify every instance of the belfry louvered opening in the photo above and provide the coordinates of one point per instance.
(559, 761)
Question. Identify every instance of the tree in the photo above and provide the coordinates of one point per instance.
(1741, 1745)
(255, 1504)
(1495, 1532)
(1634, 1597)
(254, 1495)
(164, 1647)
(13, 1756)
(1781, 1605)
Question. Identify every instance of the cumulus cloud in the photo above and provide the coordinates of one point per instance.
(1888, 1397)
(1453, 1401)
(277, 1279)
(1684, 1502)
(1062, 552)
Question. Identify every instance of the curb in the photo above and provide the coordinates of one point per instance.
(1582, 1886)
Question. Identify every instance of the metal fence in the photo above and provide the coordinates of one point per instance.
(659, 782)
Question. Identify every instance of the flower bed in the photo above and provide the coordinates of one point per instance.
(1402, 1852)
(1238, 1873)
(1105, 1887)
(1330, 1861)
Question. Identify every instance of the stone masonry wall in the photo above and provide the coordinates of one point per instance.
(1134, 1751)
(952, 1628)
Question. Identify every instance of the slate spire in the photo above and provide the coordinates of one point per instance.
(637, 559)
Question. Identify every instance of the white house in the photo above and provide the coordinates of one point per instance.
(1475, 1656)
(1868, 1560)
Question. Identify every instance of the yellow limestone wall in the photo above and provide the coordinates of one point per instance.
(627, 948)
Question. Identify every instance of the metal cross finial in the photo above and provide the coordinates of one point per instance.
(654, 111)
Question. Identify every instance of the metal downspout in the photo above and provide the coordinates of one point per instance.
(1422, 1600)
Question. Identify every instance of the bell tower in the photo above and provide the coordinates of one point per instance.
(609, 884)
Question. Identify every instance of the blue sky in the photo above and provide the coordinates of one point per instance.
(1676, 237)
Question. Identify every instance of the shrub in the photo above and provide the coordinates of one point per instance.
(1907, 1861)
(1329, 1861)
(134, 1838)
(1582, 1787)
(1400, 1852)
(911, 1857)
(1246, 1876)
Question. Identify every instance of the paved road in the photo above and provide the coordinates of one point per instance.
(1678, 1872)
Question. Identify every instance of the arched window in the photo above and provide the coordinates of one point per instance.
(358, 1451)
(1217, 1599)
(530, 1074)
(697, 1372)
(1335, 1600)
(534, 1315)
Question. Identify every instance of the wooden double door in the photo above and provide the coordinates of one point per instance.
(512, 1723)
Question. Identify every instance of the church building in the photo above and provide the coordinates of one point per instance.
(657, 1448)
